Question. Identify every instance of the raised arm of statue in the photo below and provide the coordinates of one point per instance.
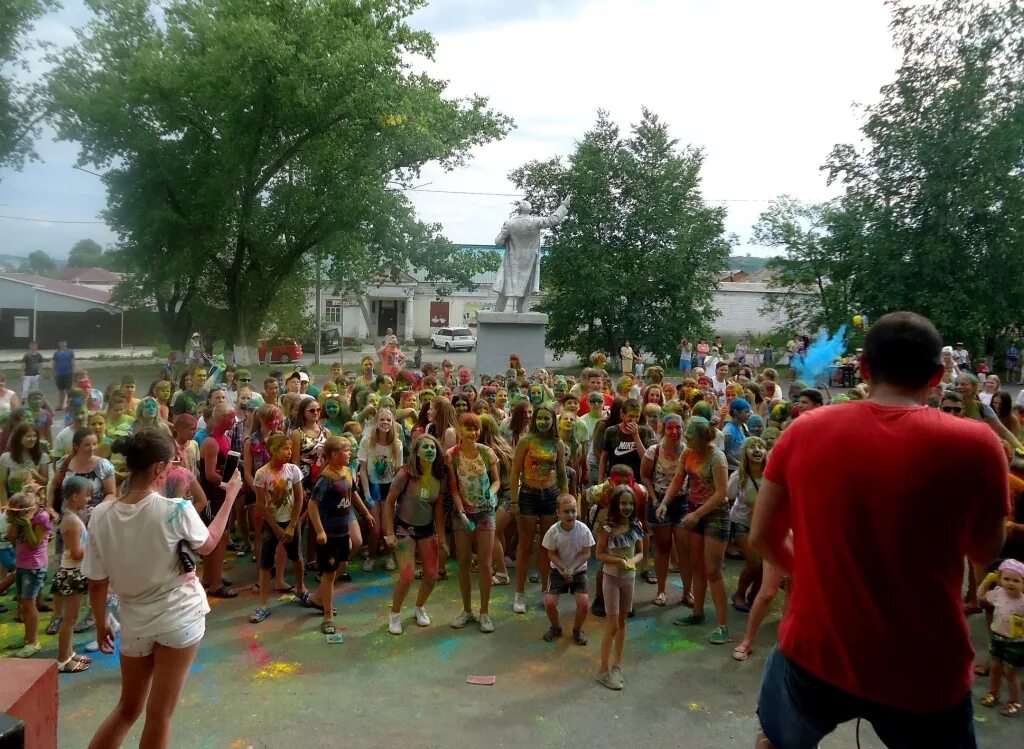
(502, 237)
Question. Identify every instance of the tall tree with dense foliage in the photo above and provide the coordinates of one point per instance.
(932, 214)
(240, 137)
(639, 256)
(21, 102)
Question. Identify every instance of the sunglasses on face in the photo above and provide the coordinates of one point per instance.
(953, 409)
(244, 379)
(312, 410)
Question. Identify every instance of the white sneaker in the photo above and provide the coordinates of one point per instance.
(389, 564)
(462, 620)
(368, 564)
(394, 623)
(519, 604)
(421, 616)
(486, 625)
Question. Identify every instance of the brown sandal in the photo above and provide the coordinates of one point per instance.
(1010, 709)
(989, 700)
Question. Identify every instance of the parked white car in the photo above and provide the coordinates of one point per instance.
(451, 339)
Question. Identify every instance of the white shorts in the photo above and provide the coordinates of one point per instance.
(179, 639)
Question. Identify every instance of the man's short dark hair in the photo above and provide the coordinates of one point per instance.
(814, 396)
(903, 349)
(951, 395)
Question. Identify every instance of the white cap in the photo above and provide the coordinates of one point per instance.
(303, 377)
(947, 349)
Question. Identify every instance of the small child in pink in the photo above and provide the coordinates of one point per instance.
(29, 528)
(1004, 591)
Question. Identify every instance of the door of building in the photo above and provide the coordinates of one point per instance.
(387, 316)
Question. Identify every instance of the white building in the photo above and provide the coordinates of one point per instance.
(412, 308)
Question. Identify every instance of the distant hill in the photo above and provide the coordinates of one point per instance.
(748, 263)
(13, 262)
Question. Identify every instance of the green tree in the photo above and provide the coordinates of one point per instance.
(933, 203)
(818, 274)
(640, 253)
(86, 253)
(40, 264)
(21, 102)
(241, 137)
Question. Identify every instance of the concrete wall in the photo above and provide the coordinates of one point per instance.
(740, 307)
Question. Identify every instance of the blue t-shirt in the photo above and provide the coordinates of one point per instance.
(734, 443)
(63, 361)
(333, 497)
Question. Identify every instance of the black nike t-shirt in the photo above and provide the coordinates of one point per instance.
(620, 448)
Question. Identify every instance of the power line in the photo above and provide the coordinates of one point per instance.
(519, 194)
(45, 220)
(49, 220)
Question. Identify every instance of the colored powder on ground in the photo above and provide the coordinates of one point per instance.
(276, 670)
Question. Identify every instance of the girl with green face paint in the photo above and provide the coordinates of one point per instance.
(705, 467)
(412, 517)
(664, 511)
(538, 477)
(619, 549)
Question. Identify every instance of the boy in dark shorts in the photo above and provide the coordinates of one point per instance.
(569, 544)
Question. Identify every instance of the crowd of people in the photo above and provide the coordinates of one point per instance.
(135, 498)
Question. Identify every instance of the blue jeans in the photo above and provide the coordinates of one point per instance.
(797, 710)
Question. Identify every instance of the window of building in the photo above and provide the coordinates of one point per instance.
(334, 310)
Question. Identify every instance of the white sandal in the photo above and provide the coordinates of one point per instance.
(500, 578)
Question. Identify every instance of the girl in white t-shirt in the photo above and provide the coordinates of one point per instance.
(380, 457)
(279, 499)
(142, 546)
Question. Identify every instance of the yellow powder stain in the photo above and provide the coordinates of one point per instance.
(276, 670)
(696, 708)
(240, 744)
(83, 713)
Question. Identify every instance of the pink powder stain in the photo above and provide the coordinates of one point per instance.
(259, 654)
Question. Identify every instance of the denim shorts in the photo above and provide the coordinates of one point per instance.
(484, 520)
(797, 710)
(714, 525)
(675, 513)
(378, 494)
(538, 502)
(415, 532)
(29, 583)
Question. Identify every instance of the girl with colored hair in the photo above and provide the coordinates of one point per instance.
(519, 422)
(490, 435)
(657, 469)
(267, 420)
(444, 424)
(413, 515)
(742, 490)
(538, 477)
(475, 467)
(147, 414)
(380, 457)
(704, 466)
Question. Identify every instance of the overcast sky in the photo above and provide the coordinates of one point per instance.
(765, 88)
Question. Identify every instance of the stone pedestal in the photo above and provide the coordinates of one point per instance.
(28, 692)
(502, 333)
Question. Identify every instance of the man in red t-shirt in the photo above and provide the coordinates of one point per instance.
(884, 497)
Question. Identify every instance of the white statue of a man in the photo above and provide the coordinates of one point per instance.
(519, 272)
